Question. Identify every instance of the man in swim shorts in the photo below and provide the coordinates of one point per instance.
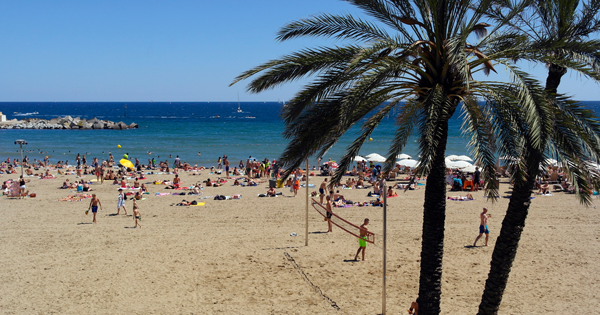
(329, 208)
(94, 203)
(226, 164)
(362, 240)
(483, 228)
(322, 189)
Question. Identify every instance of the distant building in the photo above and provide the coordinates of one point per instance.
(2, 117)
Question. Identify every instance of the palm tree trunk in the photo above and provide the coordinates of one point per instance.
(507, 243)
(434, 217)
(555, 73)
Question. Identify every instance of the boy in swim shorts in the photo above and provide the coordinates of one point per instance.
(137, 216)
(362, 240)
(483, 228)
(94, 203)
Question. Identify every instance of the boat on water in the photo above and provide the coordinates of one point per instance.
(239, 110)
(250, 117)
(217, 116)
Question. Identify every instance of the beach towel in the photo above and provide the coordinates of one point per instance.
(163, 194)
(199, 204)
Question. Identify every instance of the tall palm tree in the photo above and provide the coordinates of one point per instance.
(560, 31)
(421, 73)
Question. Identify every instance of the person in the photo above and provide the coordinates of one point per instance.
(226, 164)
(271, 192)
(22, 187)
(414, 308)
(483, 228)
(362, 240)
(329, 208)
(98, 172)
(391, 192)
(136, 215)
(94, 203)
(296, 186)
(219, 161)
(322, 189)
(476, 178)
(176, 181)
(121, 202)
(544, 189)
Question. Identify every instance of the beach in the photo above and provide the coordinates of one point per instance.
(238, 256)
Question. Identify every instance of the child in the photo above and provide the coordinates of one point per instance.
(121, 202)
(136, 214)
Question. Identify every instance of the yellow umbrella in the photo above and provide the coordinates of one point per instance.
(126, 163)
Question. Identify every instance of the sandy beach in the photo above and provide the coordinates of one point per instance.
(238, 257)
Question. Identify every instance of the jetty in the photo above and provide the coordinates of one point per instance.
(66, 122)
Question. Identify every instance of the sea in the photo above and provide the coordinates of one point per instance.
(197, 132)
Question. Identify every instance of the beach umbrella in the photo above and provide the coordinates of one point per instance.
(409, 163)
(509, 158)
(463, 158)
(458, 164)
(551, 161)
(126, 163)
(403, 156)
(452, 157)
(376, 158)
(371, 155)
(469, 169)
(359, 158)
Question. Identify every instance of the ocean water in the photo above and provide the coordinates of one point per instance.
(185, 129)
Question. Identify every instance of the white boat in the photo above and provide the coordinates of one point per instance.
(239, 110)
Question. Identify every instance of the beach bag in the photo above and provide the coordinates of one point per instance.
(194, 202)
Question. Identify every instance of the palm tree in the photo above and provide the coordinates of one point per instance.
(560, 33)
(422, 73)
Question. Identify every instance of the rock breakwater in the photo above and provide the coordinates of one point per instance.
(66, 122)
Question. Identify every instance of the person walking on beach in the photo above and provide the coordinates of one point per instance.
(322, 189)
(329, 208)
(226, 164)
(219, 161)
(476, 178)
(121, 202)
(362, 240)
(483, 228)
(137, 217)
(94, 203)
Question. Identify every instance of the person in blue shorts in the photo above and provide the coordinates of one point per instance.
(94, 203)
(483, 228)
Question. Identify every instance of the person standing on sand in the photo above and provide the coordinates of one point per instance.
(296, 186)
(476, 178)
(121, 202)
(226, 164)
(483, 228)
(94, 203)
(136, 215)
(329, 208)
(362, 240)
(322, 189)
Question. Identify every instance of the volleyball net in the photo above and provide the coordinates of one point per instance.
(341, 223)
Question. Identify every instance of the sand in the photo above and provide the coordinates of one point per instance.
(238, 257)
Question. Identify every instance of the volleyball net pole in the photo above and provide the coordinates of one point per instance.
(383, 310)
(306, 216)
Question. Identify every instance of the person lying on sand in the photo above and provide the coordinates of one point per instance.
(459, 198)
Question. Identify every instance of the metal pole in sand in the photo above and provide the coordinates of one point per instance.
(384, 245)
(306, 217)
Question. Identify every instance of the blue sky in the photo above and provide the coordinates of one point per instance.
(158, 50)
